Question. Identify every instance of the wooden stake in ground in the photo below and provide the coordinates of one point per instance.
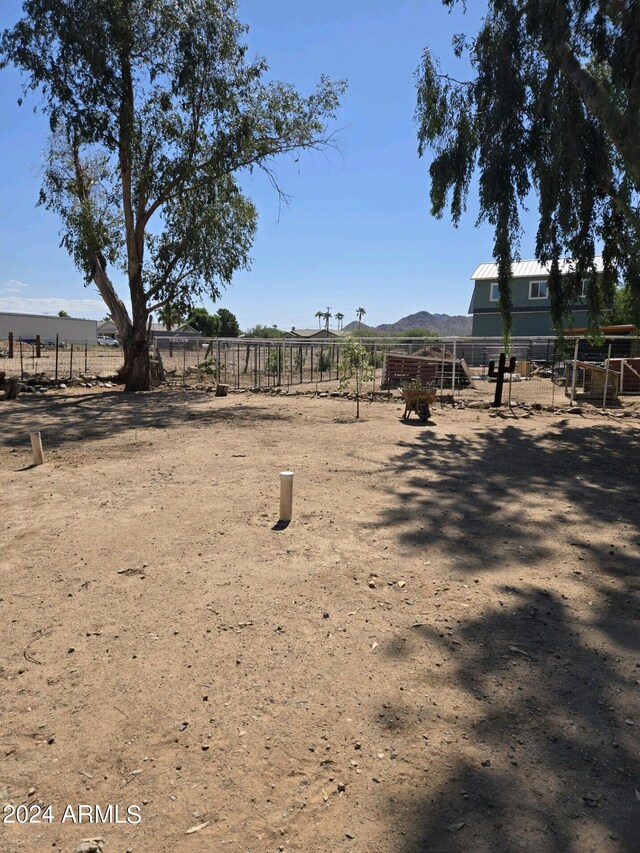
(36, 447)
(286, 495)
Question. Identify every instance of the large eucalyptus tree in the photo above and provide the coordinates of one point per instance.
(552, 104)
(154, 109)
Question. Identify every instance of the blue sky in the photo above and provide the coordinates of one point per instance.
(357, 231)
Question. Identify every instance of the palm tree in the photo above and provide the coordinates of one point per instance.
(169, 315)
(327, 316)
(360, 312)
(319, 315)
(339, 317)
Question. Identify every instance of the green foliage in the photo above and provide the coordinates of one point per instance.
(229, 327)
(62, 314)
(170, 315)
(416, 332)
(299, 359)
(376, 359)
(324, 362)
(551, 105)
(259, 331)
(406, 335)
(355, 368)
(622, 311)
(209, 366)
(155, 109)
(274, 360)
(207, 324)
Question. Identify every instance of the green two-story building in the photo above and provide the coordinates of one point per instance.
(531, 315)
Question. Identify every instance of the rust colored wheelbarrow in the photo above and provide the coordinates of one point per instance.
(418, 400)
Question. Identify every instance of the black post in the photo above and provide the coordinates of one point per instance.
(21, 365)
(57, 346)
(38, 346)
(499, 375)
(10, 344)
(85, 357)
(71, 363)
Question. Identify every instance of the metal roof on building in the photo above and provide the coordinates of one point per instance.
(527, 269)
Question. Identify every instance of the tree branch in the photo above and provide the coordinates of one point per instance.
(599, 102)
(174, 188)
(116, 306)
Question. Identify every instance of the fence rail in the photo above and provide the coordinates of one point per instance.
(601, 373)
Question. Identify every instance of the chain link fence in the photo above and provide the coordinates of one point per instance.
(606, 373)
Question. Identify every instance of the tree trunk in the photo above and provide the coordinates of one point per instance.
(136, 371)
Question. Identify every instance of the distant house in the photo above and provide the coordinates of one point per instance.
(28, 326)
(180, 335)
(180, 330)
(314, 334)
(531, 313)
(107, 329)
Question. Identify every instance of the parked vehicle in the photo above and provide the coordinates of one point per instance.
(104, 341)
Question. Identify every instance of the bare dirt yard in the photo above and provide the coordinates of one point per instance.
(440, 652)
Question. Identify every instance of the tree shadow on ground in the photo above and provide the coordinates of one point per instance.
(544, 755)
(68, 418)
(451, 491)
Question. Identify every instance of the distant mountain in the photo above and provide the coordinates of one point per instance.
(441, 324)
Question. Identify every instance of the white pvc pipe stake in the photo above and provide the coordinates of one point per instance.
(36, 447)
(286, 495)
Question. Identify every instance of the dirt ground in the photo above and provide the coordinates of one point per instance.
(440, 652)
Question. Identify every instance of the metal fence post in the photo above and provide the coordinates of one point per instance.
(375, 367)
(21, 364)
(453, 370)
(10, 345)
(574, 378)
(606, 380)
(85, 357)
(71, 363)
(57, 347)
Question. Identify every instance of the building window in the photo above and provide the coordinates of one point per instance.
(538, 290)
(494, 293)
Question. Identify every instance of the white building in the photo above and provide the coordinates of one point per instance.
(27, 326)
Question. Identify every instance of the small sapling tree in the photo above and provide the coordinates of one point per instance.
(355, 368)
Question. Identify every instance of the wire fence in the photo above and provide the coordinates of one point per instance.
(537, 370)
(58, 361)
